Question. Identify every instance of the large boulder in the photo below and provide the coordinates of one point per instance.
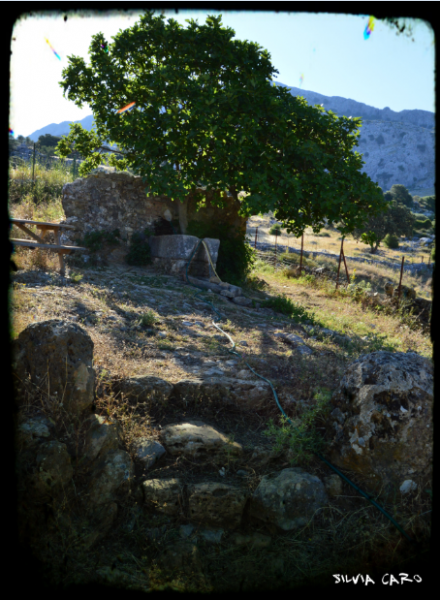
(58, 356)
(380, 425)
(67, 454)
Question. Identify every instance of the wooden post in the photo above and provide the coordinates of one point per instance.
(400, 282)
(256, 233)
(339, 264)
(346, 269)
(301, 258)
(33, 171)
(60, 254)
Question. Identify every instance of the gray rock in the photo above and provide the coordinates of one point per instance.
(196, 439)
(165, 495)
(242, 301)
(67, 350)
(375, 430)
(288, 498)
(216, 504)
(144, 388)
(147, 451)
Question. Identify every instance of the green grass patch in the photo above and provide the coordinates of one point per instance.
(285, 306)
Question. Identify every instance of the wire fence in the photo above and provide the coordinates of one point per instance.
(23, 177)
(410, 267)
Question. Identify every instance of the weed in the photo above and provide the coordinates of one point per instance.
(302, 440)
(148, 319)
(76, 277)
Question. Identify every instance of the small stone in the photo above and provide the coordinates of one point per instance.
(162, 334)
(408, 486)
(242, 473)
(243, 343)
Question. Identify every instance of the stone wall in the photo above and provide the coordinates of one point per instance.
(107, 201)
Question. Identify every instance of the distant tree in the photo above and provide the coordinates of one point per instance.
(47, 144)
(388, 196)
(48, 140)
(401, 195)
(429, 202)
(397, 220)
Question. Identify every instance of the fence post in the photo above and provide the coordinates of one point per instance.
(301, 258)
(343, 256)
(400, 282)
(256, 233)
(33, 171)
(339, 264)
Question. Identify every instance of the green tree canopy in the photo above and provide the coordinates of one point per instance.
(48, 140)
(396, 220)
(205, 103)
(401, 195)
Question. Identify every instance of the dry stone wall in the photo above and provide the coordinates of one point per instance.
(106, 201)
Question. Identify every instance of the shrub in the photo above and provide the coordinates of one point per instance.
(391, 241)
(420, 224)
(139, 253)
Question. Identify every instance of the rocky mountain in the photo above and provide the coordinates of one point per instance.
(59, 129)
(397, 147)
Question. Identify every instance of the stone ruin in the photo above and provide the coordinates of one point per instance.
(106, 201)
(380, 428)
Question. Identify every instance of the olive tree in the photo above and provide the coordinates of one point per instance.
(396, 220)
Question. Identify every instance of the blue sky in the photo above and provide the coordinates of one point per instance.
(328, 50)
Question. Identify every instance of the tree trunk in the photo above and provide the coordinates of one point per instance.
(182, 207)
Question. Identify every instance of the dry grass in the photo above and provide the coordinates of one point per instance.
(332, 244)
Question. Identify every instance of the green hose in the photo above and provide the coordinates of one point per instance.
(232, 351)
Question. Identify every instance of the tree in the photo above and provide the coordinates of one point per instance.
(48, 140)
(401, 195)
(428, 202)
(396, 220)
(205, 104)
(47, 143)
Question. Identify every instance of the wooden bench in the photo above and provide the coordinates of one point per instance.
(39, 239)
